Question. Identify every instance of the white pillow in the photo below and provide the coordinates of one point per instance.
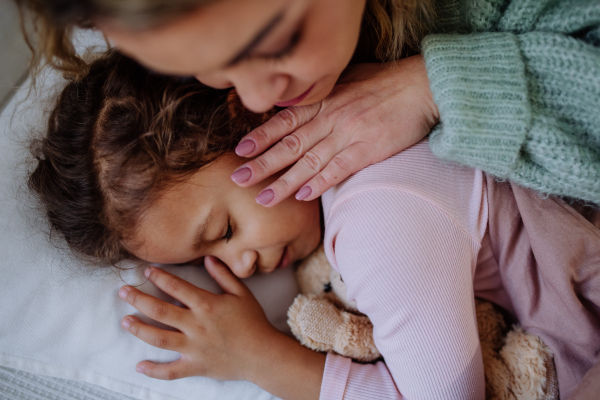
(62, 319)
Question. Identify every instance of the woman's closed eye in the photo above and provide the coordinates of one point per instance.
(284, 52)
(229, 233)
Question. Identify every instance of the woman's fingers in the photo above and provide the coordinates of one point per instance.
(152, 335)
(152, 307)
(311, 164)
(349, 161)
(286, 151)
(282, 124)
(224, 277)
(167, 371)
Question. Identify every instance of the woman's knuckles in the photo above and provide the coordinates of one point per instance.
(287, 120)
(313, 162)
(293, 146)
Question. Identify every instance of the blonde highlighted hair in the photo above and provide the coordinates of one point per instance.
(399, 25)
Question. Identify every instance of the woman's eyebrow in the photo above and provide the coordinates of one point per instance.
(257, 39)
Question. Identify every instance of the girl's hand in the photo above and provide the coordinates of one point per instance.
(219, 336)
(374, 112)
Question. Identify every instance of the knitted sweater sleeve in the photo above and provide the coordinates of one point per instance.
(519, 95)
(409, 267)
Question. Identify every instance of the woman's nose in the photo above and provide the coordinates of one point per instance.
(260, 92)
(243, 265)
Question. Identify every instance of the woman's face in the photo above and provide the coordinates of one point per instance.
(274, 52)
(210, 215)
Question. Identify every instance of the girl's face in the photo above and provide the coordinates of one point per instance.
(210, 215)
(274, 52)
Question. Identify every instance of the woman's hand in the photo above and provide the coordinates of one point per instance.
(374, 112)
(219, 336)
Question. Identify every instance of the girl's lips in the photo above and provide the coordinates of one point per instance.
(295, 101)
(285, 259)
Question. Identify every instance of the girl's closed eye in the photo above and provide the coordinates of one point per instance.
(229, 232)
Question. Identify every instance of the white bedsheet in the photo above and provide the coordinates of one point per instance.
(62, 319)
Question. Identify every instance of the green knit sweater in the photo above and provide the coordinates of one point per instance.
(517, 84)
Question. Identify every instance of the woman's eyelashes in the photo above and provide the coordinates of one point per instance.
(284, 52)
(229, 233)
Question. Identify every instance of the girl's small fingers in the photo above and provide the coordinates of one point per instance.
(166, 371)
(152, 307)
(344, 164)
(224, 277)
(283, 123)
(152, 335)
(176, 287)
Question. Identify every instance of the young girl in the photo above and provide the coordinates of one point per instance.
(136, 164)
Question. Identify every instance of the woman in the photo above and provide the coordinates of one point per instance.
(515, 85)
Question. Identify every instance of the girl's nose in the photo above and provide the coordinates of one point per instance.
(260, 92)
(242, 265)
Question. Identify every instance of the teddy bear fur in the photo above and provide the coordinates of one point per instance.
(517, 364)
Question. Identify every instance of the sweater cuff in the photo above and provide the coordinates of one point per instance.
(337, 370)
(478, 83)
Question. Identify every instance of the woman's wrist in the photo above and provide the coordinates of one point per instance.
(285, 368)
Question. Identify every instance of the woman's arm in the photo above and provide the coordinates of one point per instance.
(409, 266)
(519, 97)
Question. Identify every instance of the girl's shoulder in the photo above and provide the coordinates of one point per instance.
(456, 190)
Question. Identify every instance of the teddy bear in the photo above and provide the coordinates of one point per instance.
(517, 364)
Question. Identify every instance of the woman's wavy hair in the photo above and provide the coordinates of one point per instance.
(398, 25)
(120, 136)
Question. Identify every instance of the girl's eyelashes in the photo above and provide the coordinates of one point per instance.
(229, 232)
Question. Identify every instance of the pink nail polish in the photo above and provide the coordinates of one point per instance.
(123, 293)
(303, 193)
(147, 273)
(265, 197)
(245, 148)
(126, 322)
(139, 369)
(241, 175)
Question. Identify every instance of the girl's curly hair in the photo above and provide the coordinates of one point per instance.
(119, 137)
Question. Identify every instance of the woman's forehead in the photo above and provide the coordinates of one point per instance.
(202, 40)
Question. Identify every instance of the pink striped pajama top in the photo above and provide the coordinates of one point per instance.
(410, 238)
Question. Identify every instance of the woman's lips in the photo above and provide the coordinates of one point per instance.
(295, 101)
(285, 259)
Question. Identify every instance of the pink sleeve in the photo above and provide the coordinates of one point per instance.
(409, 266)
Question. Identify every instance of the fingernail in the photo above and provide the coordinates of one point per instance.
(126, 322)
(123, 293)
(245, 148)
(139, 369)
(265, 197)
(241, 175)
(303, 193)
(147, 273)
